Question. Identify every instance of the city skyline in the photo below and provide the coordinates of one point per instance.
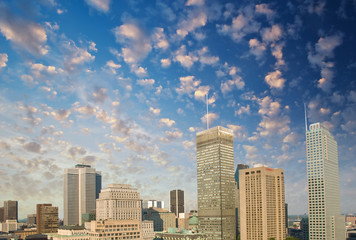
(121, 86)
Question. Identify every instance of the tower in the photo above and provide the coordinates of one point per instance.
(10, 210)
(82, 185)
(215, 180)
(262, 204)
(47, 218)
(325, 221)
(177, 201)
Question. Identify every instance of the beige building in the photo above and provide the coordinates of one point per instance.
(216, 183)
(47, 218)
(115, 229)
(161, 217)
(147, 230)
(119, 202)
(69, 233)
(262, 204)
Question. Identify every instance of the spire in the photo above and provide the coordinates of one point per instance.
(207, 111)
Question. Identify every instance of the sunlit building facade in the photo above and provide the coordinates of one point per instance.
(216, 183)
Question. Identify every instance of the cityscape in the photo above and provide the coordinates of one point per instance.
(190, 119)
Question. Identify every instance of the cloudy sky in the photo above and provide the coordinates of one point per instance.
(121, 85)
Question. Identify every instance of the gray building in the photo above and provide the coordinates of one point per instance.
(177, 201)
(10, 210)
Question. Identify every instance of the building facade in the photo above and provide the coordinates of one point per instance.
(47, 218)
(82, 186)
(119, 202)
(147, 230)
(115, 229)
(31, 219)
(162, 219)
(10, 210)
(2, 216)
(262, 204)
(177, 201)
(216, 183)
(325, 221)
(152, 203)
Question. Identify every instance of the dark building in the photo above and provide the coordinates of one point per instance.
(10, 210)
(2, 216)
(239, 167)
(47, 218)
(237, 203)
(177, 201)
(304, 226)
(286, 212)
(36, 237)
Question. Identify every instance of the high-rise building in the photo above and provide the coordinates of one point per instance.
(119, 202)
(325, 221)
(177, 201)
(31, 219)
(262, 204)
(237, 196)
(152, 203)
(239, 167)
(10, 210)
(216, 183)
(82, 186)
(47, 218)
(2, 214)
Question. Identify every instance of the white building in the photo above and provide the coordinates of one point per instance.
(152, 203)
(147, 230)
(119, 202)
(10, 225)
(82, 185)
(325, 221)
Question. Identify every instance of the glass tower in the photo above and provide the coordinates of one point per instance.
(325, 221)
(216, 183)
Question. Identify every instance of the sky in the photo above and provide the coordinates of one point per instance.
(121, 85)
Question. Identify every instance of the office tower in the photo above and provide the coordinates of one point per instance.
(152, 203)
(2, 215)
(162, 219)
(325, 221)
(10, 210)
(262, 204)
(237, 196)
(47, 218)
(31, 219)
(177, 201)
(82, 185)
(239, 167)
(216, 183)
(119, 202)
(304, 226)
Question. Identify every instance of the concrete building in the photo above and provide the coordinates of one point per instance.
(119, 202)
(162, 219)
(10, 210)
(10, 226)
(325, 221)
(115, 229)
(26, 232)
(152, 203)
(147, 230)
(237, 196)
(82, 186)
(177, 201)
(216, 183)
(31, 219)
(262, 203)
(173, 234)
(47, 218)
(69, 233)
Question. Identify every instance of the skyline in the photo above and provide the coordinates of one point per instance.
(121, 85)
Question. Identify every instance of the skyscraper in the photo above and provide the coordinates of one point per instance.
(237, 196)
(325, 221)
(262, 204)
(82, 186)
(10, 210)
(47, 218)
(177, 201)
(119, 202)
(215, 175)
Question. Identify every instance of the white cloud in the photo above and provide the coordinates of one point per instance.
(185, 60)
(24, 33)
(230, 84)
(187, 85)
(264, 9)
(139, 71)
(75, 56)
(243, 110)
(257, 48)
(194, 3)
(61, 114)
(146, 82)
(291, 138)
(194, 20)
(28, 79)
(188, 144)
(166, 121)
(275, 80)
(272, 34)
(165, 62)
(251, 152)
(155, 111)
(192, 129)
(205, 58)
(201, 92)
(212, 117)
(100, 5)
(3, 60)
(113, 66)
(352, 96)
(159, 38)
(278, 54)
(99, 95)
(39, 70)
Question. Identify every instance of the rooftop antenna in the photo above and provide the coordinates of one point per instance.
(306, 118)
(207, 111)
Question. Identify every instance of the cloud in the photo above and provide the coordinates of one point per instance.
(173, 135)
(243, 110)
(155, 111)
(112, 66)
(194, 20)
(352, 96)
(165, 62)
(205, 58)
(212, 117)
(74, 151)
(39, 70)
(185, 60)
(159, 39)
(145, 82)
(187, 85)
(166, 121)
(257, 48)
(278, 54)
(238, 131)
(33, 147)
(194, 3)
(61, 114)
(271, 34)
(251, 152)
(23, 33)
(275, 80)
(291, 138)
(230, 84)
(99, 95)
(201, 92)
(3, 60)
(265, 10)
(75, 56)
(100, 5)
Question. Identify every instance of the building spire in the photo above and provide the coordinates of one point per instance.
(207, 111)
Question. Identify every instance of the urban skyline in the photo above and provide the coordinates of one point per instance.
(121, 86)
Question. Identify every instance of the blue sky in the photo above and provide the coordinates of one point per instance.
(121, 85)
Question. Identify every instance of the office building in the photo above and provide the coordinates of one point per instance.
(262, 204)
(239, 167)
(82, 186)
(162, 219)
(152, 203)
(119, 202)
(31, 219)
(47, 218)
(10, 210)
(115, 229)
(177, 201)
(325, 221)
(2, 214)
(147, 230)
(216, 183)
(237, 196)
(304, 226)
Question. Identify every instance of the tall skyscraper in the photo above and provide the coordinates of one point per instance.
(262, 204)
(47, 218)
(216, 183)
(119, 202)
(10, 210)
(2, 214)
(325, 221)
(237, 196)
(82, 186)
(177, 201)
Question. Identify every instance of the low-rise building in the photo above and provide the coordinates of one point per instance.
(115, 229)
(147, 230)
(173, 234)
(161, 217)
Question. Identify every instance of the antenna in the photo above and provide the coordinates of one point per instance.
(306, 118)
(207, 111)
